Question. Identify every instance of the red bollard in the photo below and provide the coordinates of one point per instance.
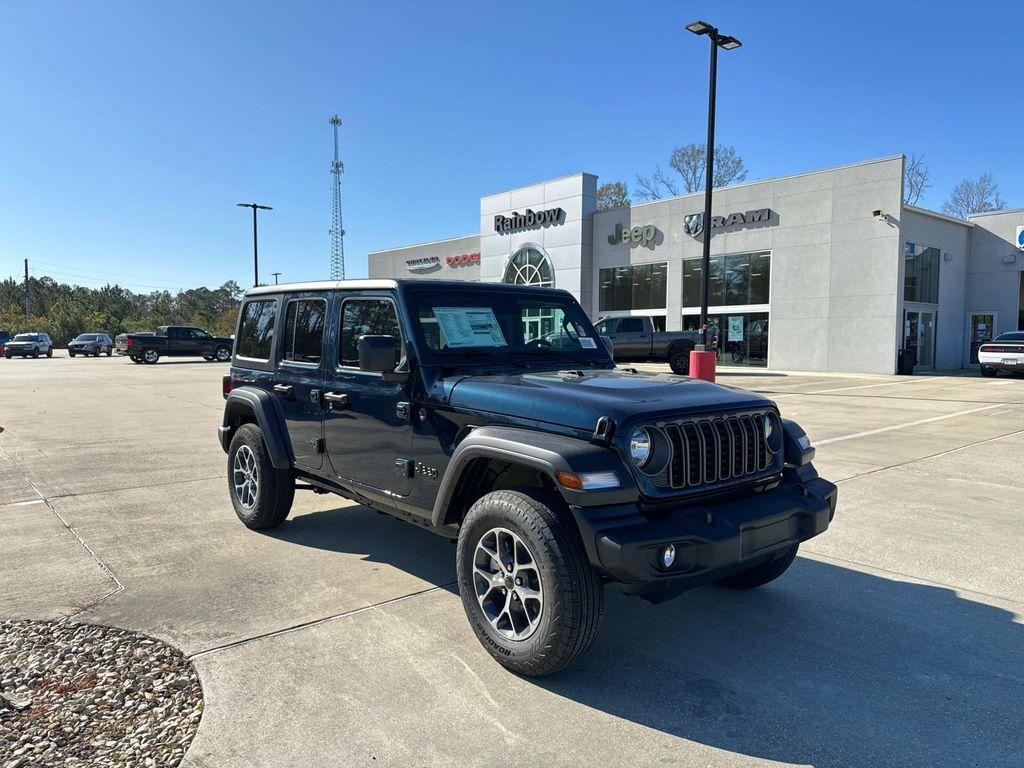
(702, 365)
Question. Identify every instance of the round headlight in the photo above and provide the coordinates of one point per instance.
(640, 446)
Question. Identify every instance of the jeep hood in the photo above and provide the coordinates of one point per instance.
(579, 399)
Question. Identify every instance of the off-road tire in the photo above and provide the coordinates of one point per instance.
(222, 354)
(573, 600)
(275, 487)
(989, 372)
(763, 573)
(155, 355)
(679, 361)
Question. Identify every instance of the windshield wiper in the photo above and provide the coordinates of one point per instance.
(473, 351)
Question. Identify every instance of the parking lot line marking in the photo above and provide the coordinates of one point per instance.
(21, 503)
(866, 386)
(904, 425)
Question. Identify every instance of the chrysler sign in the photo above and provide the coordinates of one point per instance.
(693, 224)
(424, 264)
(528, 220)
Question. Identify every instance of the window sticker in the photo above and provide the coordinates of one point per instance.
(587, 343)
(469, 327)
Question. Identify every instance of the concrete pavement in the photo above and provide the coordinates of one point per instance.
(337, 639)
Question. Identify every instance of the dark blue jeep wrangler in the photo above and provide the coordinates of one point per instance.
(494, 415)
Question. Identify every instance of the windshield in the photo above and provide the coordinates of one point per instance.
(26, 337)
(86, 337)
(490, 323)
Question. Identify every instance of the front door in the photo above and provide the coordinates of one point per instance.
(919, 338)
(631, 340)
(982, 328)
(299, 376)
(366, 419)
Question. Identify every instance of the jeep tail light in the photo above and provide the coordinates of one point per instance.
(225, 385)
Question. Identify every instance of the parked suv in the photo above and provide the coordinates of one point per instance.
(442, 404)
(29, 345)
(5, 336)
(91, 344)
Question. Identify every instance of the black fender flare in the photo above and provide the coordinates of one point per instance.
(267, 411)
(545, 451)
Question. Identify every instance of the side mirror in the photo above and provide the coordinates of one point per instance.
(610, 345)
(378, 354)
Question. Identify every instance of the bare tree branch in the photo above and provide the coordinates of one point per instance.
(614, 194)
(977, 196)
(916, 179)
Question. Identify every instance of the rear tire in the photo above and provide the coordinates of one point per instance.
(989, 372)
(763, 573)
(548, 627)
(222, 354)
(110, 353)
(679, 361)
(150, 356)
(260, 493)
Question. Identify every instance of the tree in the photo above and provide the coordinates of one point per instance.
(614, 194)
(916, 179)
(689, 162)
(977, 196)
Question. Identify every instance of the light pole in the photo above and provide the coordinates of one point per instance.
(255, 238)
(702, 360)
(276, 275)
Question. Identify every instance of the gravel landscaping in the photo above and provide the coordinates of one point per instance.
(75, 695)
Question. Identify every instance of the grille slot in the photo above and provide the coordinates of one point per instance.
(717, 449)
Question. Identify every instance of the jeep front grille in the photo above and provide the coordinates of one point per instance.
(717, 449)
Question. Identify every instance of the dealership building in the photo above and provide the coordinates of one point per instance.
(822, 271)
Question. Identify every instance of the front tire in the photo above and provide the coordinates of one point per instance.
(71, 353)
(527, 587)
(260, 493)
(988, 372)
(35, 352)
(763, 573)
(679, 361)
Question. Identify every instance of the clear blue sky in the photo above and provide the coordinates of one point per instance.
(129, 130)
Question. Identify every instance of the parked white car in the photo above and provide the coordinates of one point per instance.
(1004, 353)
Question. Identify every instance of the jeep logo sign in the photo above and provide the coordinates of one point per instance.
(633, 236)
(693, 224)
(528, 220)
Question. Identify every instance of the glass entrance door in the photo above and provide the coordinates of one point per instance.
(982, 328)
(919, 338)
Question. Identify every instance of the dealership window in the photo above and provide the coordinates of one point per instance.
(734, 280)
(256, 329)
(304, 331)
(742, 337)
(640, 286)
(920, 273)
(530, 267)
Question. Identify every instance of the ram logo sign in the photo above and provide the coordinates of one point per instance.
(693, 223)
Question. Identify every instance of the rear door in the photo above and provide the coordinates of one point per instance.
(366, 419)
(299, 378)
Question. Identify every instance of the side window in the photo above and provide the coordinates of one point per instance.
(256, 331)
(607, 326)
(199, 335)
(304, 331)
(366, 317)
(631, 325)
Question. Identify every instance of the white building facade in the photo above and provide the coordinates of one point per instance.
(820, 271)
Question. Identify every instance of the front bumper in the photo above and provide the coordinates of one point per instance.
(712, 540)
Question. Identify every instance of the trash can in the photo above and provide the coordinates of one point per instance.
(904, 363)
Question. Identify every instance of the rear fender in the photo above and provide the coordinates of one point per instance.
(246, 404)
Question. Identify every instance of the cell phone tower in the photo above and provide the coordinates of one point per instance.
(337, 232)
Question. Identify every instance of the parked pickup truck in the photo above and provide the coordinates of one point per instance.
(177, 341)
(634, 338)
(557, 473)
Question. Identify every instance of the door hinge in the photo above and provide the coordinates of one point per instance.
(404, 467)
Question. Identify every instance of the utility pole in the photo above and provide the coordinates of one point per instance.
(28, 297)
(276, 275)
(337, 232)
(255, 239)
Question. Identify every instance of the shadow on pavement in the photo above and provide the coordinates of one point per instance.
(828, 666)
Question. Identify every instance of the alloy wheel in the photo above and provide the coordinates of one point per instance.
(223, 354)
(245, 477)
(506, 579)
(150, 356)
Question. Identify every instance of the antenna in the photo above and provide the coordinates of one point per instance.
(337, 233)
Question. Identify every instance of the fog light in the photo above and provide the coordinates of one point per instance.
(668, 556)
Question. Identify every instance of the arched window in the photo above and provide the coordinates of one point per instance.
(530, 267)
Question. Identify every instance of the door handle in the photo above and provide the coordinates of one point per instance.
(283, 389)
(335, 399)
